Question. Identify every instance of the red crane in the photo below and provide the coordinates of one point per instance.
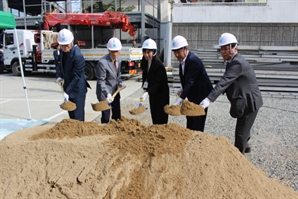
(108, 19)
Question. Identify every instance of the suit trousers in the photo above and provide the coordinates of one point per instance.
(79, 112)
(242, 132)
(196, 123)
(115, 111)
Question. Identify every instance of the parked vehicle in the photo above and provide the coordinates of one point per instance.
(37, 54)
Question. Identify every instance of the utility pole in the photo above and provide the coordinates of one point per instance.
(142, 21)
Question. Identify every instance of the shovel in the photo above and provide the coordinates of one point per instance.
(67, 105)
(191, 109)
(104, 105)
(173, 110)
(140, 109)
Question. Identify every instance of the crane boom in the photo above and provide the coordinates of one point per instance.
(107, 19)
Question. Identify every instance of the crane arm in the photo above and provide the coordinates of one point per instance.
(106, 19)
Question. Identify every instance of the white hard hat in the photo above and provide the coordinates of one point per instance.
(227, 38)
(149, 44)
(178, 42)
(65, 37)
(114, 44)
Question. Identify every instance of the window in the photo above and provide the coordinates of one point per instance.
(9, 39)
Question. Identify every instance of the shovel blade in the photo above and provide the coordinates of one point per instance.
(68, 106)
(137, 111)
(191, 109)
(101, 106)
(173, 110)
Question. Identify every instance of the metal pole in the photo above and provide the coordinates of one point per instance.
(115, 9)
(159, 17)
(92, 27)
(24, 9)
(142, 21)
(167, 49)
(22, 72)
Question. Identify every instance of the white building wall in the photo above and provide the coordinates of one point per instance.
(274, 11)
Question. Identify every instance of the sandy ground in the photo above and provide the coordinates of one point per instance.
(128, 160)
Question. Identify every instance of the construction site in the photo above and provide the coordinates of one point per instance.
(46, 155)
(269, 43)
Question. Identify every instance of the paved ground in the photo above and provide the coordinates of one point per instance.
(44, 97)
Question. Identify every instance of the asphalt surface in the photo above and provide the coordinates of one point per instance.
(44, 97)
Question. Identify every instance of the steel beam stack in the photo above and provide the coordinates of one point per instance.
(276, 68)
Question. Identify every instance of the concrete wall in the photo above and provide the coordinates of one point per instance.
(274, 23)
(205, 35)
(274, 11)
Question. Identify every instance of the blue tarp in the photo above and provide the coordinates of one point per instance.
(8, 126)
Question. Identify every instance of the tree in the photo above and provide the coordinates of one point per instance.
(110, 6)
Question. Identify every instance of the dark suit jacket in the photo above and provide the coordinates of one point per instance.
(158, 88)
(56, 58)
(240, 83)
(72, 71)
(195, 81)
(107, 77)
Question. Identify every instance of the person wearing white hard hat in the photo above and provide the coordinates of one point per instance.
(195, 82)
(108, 73)
(154, 82)
(72, 66)
(239, 82)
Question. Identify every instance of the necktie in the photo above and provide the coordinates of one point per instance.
(115, 64)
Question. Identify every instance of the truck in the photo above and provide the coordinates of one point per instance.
(37, 54)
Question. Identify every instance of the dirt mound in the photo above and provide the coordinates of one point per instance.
(125, 159)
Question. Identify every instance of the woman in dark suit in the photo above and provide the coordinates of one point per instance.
(155, 82)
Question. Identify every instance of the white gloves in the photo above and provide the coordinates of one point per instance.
(144, 96)
(110, 98)
(179, 101)
(66, 97)
(121, 84)
(179, 91)
(205, 103)
(59, 79)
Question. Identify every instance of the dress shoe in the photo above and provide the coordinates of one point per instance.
(247, 149)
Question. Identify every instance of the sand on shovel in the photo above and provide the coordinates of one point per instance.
(101, 106)
(104, 105)
(172, 110)
(138, 110)
(191, 109)
(68, 106)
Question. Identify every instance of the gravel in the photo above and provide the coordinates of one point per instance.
(274, 136)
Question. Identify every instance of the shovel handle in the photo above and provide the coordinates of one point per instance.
(61, 86)
(118, 90)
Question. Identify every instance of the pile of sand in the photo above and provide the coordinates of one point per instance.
(128, 160)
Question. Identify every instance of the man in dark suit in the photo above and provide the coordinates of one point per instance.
(195, 82)
(72, 74)
(108, 73)
(239, 82)
(155, 82)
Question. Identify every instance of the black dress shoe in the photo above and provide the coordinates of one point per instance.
(247, 149)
